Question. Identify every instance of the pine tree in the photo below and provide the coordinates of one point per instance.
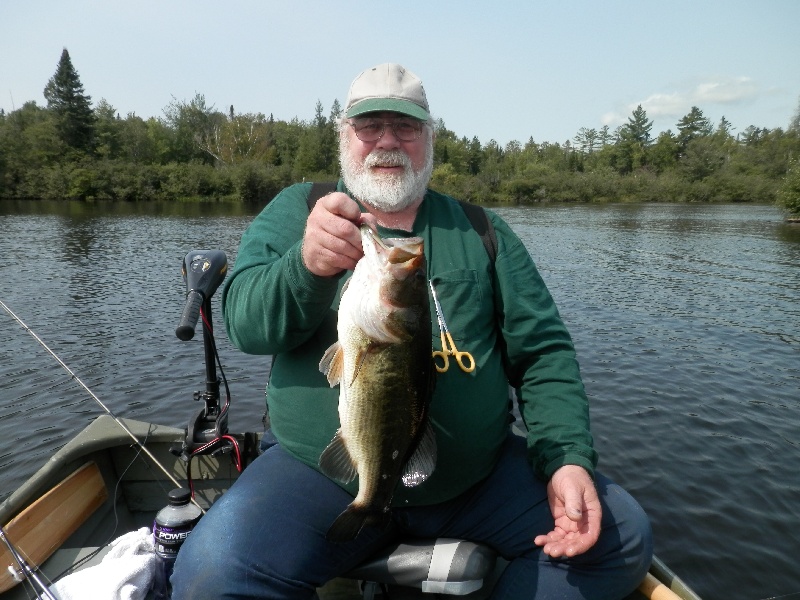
(633, 141)
(71, 106)
(692, 126)
(638, 127)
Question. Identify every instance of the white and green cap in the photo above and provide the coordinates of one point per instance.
(387, 87)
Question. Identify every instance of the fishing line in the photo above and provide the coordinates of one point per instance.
(77, 565)
(94, 397)
(39, 587)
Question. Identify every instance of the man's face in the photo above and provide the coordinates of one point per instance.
(388, 173)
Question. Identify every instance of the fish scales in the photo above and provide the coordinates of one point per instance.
(382, 364)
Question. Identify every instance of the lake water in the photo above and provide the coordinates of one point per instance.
(686, 320)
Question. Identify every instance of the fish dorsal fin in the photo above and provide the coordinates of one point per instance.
(421, 464)
(335, 461)
(332, 364)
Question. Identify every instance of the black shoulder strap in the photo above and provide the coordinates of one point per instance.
(483, 227)
(318, 190)
(477, 216)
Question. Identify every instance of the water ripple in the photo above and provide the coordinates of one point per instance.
(686, 320)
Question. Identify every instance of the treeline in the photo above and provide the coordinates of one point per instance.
(71, 150)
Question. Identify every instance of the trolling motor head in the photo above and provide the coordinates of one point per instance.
(203, 272)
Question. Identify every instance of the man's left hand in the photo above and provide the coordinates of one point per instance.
(576, 510)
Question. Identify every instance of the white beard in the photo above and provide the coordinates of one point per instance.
(386, 192)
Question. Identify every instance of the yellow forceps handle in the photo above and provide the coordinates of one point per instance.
(443, 354)
(464, 359)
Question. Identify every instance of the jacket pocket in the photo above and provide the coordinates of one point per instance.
(463, 302)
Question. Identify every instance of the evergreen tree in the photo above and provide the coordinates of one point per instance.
(691, 126)
(587, 140)
(724, 129)
(107, 130)
(634, 139)
(604, 136)
(72, 108)
(638, 127)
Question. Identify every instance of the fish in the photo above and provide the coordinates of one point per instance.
(382, 363)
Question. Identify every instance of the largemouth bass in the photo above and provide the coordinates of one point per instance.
(383, 366)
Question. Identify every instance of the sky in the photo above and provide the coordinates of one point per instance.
(502, 70)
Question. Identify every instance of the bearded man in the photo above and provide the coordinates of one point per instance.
(538, 501)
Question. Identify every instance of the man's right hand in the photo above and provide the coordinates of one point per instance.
(332, 241)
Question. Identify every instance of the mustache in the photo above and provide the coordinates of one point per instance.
(388, 158)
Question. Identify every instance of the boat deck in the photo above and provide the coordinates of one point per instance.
(136, 489)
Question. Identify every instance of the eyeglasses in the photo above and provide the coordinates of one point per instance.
(371, 130)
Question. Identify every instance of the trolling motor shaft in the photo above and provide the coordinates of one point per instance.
(203, 272)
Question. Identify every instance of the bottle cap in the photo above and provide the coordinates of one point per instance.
(179, 496)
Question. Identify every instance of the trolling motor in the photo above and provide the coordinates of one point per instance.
(203, 272)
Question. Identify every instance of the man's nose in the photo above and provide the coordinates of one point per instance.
(388, 140)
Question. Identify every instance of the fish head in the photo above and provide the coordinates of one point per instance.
(401, 264)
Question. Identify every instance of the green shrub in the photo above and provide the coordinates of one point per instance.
(789, 192)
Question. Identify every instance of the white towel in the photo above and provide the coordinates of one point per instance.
(125, 573)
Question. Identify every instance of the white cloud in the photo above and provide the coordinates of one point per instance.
(704, 95)
(731, 90)
(663, 105)
(612, 119)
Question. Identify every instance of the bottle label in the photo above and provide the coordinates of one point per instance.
(168, 540)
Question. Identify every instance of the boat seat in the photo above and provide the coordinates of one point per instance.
(43, 526)
(440, 566)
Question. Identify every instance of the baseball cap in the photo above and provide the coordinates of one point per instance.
(387, 87)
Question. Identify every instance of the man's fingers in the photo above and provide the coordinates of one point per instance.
(342, 205)
(332, 242)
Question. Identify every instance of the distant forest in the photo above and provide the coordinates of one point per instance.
(71, 150)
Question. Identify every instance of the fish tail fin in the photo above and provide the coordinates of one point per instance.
(349, 523)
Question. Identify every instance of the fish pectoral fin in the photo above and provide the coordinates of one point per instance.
(422, 463)
(336, 462)
(332, 364)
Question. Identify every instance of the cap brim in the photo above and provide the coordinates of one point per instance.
(389, 105)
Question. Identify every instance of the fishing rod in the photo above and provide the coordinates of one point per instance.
(43, 590)
(93, 396)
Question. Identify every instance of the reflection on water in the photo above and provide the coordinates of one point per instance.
(686, 320)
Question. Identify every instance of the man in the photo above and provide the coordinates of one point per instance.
(567, 531)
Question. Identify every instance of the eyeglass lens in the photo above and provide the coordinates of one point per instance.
(371, 130)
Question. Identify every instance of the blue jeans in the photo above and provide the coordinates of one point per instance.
(265, 538)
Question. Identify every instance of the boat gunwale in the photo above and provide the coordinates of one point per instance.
(103, 433)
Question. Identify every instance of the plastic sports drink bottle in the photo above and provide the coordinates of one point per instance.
(172, 526)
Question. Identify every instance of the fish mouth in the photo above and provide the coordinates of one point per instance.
(369, 233)
(405, 251)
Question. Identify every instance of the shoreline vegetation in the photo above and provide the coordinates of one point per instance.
(71, 150)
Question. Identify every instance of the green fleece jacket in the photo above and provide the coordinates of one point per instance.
(501, 313)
